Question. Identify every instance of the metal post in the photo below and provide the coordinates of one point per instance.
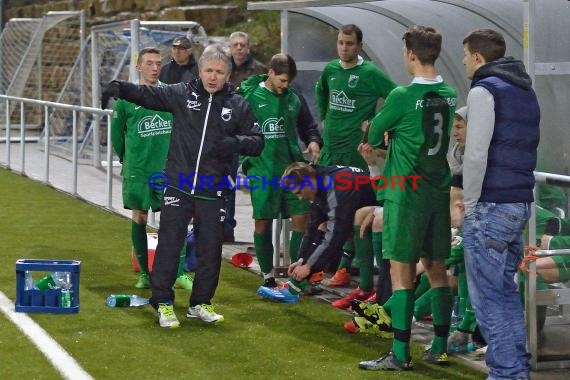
(530, 282)
(528, 36)
(82, 58)
(284, 31)
(8, 133)
(46, 143)
(286, 234)
(95, 86)
(109, 166)
(40, 63)
(74, 154)
(135, 30)
(530, 305)
(277, 224)
(22, 138)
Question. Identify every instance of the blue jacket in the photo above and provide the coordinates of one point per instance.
(512, 154)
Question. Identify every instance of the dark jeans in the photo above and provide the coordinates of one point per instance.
(177, 210)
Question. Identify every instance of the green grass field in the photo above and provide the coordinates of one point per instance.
(258, 340)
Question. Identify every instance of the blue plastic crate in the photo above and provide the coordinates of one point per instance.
(45, 301)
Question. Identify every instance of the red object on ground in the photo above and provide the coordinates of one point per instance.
(242, 260)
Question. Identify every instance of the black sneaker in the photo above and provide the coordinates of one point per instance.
(386, 362)
(270, 282)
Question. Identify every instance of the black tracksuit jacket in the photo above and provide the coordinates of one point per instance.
(207, 130)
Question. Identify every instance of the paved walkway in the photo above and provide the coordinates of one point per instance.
(92, 187)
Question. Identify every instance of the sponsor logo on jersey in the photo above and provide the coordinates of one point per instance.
(226, 114)
(352, 80)
(153, 125)
(340, 102)
(274, 128)
(194, 105)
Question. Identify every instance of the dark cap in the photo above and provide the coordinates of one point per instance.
(182, 42)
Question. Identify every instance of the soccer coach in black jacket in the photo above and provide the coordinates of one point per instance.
(211, 123)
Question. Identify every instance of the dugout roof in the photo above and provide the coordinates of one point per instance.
(309, 30)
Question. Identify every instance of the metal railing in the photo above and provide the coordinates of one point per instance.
(95, 113)
(534, 297)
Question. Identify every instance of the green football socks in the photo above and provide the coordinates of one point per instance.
(294, 244)
(263, 251)
(402, 307)
(363, 249)
(441, 305)
(138, 237)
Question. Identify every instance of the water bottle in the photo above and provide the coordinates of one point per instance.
(63, 281)
(461, 348)
(125, 300)
(456, 317)
(29, 281)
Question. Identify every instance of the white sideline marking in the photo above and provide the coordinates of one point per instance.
(59, 358)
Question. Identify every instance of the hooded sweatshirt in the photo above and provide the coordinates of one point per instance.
(502, 135)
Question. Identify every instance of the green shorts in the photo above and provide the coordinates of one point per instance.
(421, 229)
(268, 201)
(347, 159)
(139, 196)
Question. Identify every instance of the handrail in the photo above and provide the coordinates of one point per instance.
(63, 106)
(552, 252)
(97, 114)
(552, 179)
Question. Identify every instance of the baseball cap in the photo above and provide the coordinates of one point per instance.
(462, 113)
(182, 42)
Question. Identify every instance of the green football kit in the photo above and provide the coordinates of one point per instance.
(141, 138)
(277, 115)
(346, 98)
(418, 119)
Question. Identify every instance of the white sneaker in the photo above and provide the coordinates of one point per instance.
(204, 312)
(167, 317)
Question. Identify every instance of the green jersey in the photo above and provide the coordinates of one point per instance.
(347, 97)
(418, 118)
(277, 115)
(141, 138)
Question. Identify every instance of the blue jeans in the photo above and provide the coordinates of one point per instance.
(493, 242)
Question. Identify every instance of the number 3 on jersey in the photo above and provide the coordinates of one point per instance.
(435, 124)
(437, 130)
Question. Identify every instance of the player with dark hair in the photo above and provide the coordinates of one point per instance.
(418, 118)
(277, 110)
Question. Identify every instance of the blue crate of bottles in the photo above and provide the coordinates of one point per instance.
(58, 300)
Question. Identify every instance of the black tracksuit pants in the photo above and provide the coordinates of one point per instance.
(177, 210)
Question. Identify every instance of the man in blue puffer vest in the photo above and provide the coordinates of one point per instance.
(500, 157)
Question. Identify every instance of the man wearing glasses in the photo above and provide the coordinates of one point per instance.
(183, 66)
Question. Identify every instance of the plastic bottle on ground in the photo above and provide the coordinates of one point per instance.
(125, 300)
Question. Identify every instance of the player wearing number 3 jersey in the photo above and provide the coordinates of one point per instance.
(418, 118)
